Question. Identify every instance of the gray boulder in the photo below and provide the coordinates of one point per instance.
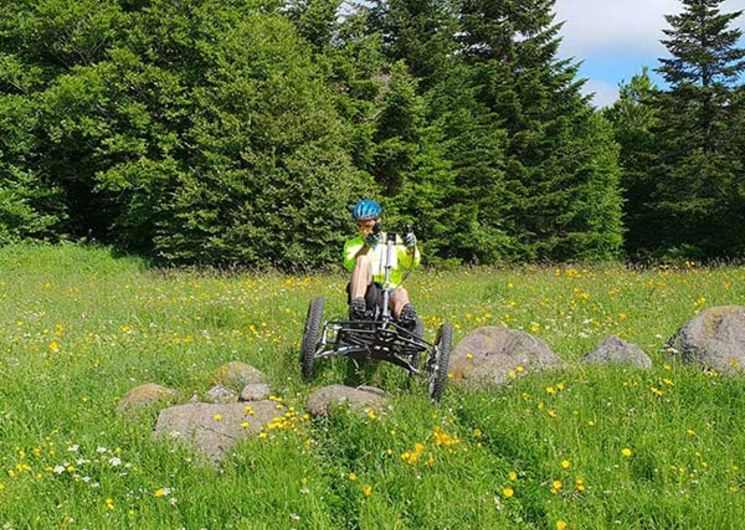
(236, 374)
(323, 400)
(613, 350)
(143, 397)
(713, 339)
(493, 355)
(255, 392)
(213, 429)
(221, 394)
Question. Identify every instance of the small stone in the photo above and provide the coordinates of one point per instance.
(221, 394)
(214, 429)
(143, 397)
(493, 355)
(713, 339)
(613, 350)
(255, 392)
(322, 401)
(237, 374)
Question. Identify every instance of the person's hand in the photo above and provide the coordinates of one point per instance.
(410, 240)
(372, 240)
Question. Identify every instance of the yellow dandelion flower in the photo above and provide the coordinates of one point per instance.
(511, 374)
(367, 490)
(244, 425)
(552, 413)
(656, 391)
(54, 347)
(519, 368)
(580, 484)
(217, 417)
(566, 464)
(160, 493)
(371, 414)
(556, 484)
(627, 452)
(560, 386)
(561, 524)
(550, 390)
(512, 475)
(508, 492)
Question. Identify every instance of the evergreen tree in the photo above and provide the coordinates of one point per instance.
(700, 169)
(316, 20)
(634, 117)
(419, 32)
(560, 156)
(30, 205)
(478, 218)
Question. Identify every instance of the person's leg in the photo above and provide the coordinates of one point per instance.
(361, 279)
(402, 308)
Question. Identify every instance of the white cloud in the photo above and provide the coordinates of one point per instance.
(604, 94)
(633, 26)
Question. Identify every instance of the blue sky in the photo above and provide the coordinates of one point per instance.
(615, 38)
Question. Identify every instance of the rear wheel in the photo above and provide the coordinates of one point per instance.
(438, 365)
(311, 335)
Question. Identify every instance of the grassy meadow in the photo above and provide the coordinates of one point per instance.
(585, 448)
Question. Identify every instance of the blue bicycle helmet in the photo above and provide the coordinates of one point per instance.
(366, 209)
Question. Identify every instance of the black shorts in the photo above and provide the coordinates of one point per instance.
(373, 295)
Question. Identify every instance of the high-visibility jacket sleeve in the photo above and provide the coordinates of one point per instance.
(407, 260)
(351, 248)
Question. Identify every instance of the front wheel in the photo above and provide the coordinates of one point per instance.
(439, 360)
(311, 336)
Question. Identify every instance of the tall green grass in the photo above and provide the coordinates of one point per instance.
(80, 327)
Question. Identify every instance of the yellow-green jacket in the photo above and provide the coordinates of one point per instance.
(403, 260)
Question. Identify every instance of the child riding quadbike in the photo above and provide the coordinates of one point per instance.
(378, 336)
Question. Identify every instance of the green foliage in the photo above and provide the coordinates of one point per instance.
(29, 203)
(420, 33)
(561, 172)
(238, 132)
(634, 117)
(682, 149)
(268, 177)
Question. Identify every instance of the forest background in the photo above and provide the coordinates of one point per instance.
(239, 132)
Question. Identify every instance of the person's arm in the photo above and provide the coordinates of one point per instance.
(408, 257)
(354, 248)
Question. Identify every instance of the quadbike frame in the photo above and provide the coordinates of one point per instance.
(380, 338)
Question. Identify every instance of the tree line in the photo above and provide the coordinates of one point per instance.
(220, 132)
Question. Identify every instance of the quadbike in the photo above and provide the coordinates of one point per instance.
(380, 337)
